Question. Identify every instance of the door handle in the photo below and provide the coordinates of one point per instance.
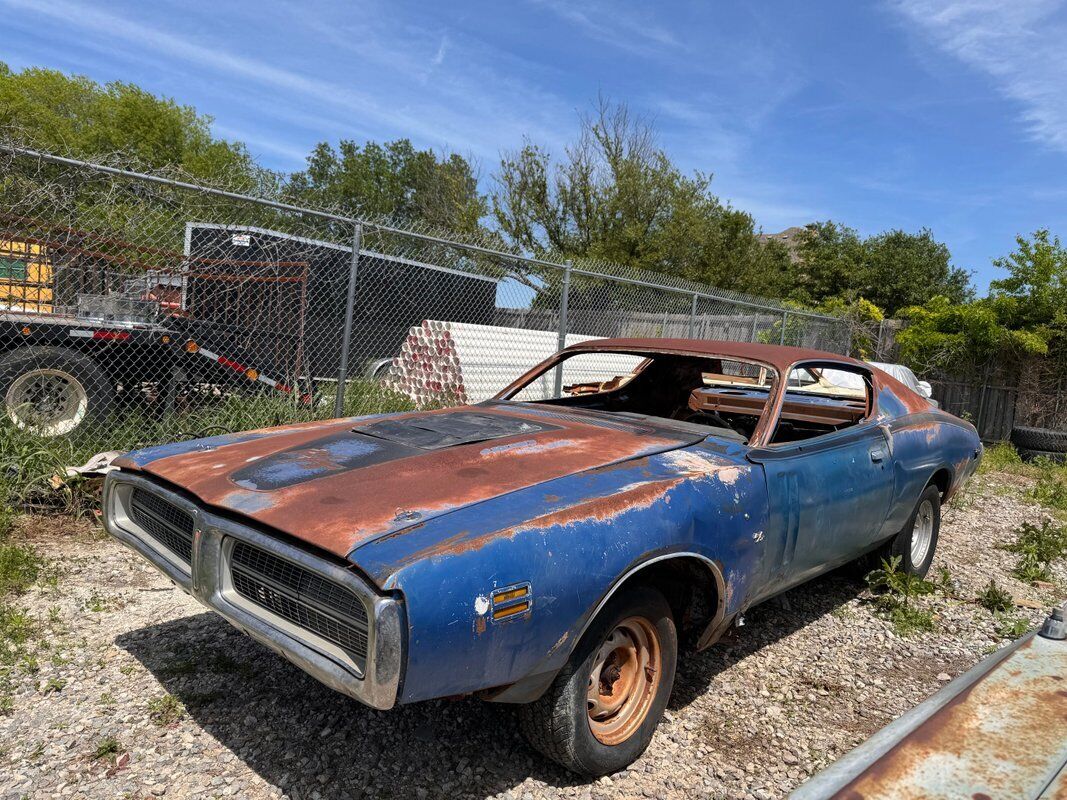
(877, 454)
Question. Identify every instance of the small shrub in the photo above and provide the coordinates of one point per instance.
(995, 599)
(891, 578)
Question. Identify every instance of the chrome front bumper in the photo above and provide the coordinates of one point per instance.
(374, 682)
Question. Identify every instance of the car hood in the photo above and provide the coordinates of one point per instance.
(340, 484)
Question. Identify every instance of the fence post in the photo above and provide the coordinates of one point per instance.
(350, 309)
(785, 321)
(561, 339)
(693, 318)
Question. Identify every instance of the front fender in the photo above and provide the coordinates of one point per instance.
(572, 540)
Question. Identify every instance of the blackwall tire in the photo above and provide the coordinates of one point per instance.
(1033, 455)
(917, 541)
(52, 391)
(1039, 439)
(599, 714)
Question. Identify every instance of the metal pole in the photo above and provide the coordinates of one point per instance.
(693, 318)
(785, 321)
(561, 339)
(350, 308)
(755, 319)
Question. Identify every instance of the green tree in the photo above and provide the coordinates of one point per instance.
(394, 180)
(1034, 294)
(617, 196)
(893, 270)
(73, 115)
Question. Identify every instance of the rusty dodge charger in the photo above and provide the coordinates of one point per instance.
(553, 547)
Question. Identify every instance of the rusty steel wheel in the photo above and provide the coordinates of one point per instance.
(600, 712)
(624, 680)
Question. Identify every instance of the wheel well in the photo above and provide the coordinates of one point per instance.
(942, 479)
(691, 588)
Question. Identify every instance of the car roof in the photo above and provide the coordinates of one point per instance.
(779, 356)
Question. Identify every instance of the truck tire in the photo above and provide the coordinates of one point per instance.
(53, 390)
(1032, 455)
(1043, 439)
(600, 712)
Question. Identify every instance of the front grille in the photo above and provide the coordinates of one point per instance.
(164, 522)
(300, 596)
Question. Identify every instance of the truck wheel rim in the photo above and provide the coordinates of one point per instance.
(624, 680)
(49, 402)
(922, 533)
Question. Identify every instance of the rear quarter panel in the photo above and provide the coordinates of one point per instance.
(925, 440)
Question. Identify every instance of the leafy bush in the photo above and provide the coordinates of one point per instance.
(995, 599)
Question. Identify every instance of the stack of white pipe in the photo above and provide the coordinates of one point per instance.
(457, 362)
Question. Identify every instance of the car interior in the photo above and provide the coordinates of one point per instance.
(725, 396)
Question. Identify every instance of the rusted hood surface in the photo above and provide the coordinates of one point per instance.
(340, 484)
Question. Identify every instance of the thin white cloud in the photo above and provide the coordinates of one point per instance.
(612, 24)
(1019, 44)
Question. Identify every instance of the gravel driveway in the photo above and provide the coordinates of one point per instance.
(134, 690)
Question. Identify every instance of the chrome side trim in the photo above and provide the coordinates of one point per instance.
(375, 683)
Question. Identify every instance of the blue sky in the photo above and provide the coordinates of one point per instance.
(906, 113)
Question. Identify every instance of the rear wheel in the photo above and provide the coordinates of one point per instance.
(917, 541)
(601, 711)
(51, 390)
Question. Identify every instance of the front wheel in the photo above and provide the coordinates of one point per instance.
(599, 714)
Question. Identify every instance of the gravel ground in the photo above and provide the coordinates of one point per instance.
(185, 706)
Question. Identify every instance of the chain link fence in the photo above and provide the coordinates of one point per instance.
(142, 308)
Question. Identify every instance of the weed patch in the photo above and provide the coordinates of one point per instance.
(898, 593)
(995, 599)
(166, 710)
(1038, 547)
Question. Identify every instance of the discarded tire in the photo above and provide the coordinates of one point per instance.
(1043, 439)
(1031, 455)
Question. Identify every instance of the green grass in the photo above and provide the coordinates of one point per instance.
(1051, 487)
(909, 620)
(1001, 457)
(995, 599)
(1009, 627)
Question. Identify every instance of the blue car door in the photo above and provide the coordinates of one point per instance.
(829, 497)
